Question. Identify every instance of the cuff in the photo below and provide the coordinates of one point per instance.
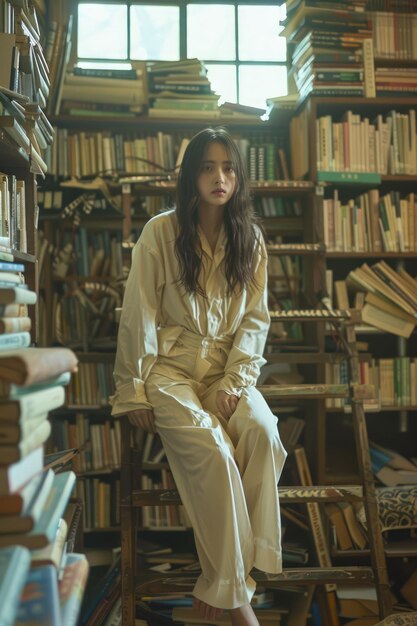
(129, 397)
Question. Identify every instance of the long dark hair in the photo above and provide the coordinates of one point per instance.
(239, 218)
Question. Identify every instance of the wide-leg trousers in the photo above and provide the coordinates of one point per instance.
(226, 471)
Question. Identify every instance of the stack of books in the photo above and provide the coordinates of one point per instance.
(326, 42)
(181, 89)
(104, 92)
(25, 87)
(390, 301)
(33, 498)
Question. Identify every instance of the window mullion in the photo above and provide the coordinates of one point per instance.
(183, 30)
(237, 53)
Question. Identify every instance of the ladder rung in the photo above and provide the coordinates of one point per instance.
(326, 493)
(304, 391)
(309, 315)
(149, 583)
(295, 248)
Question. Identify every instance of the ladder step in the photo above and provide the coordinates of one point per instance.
(326, 493)
(319, 390)
(304, 391)
(295, 248)
(310, 315)
(181, 580)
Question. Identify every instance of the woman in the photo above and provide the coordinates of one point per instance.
(191, 338)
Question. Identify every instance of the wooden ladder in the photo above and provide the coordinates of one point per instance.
(132, 496)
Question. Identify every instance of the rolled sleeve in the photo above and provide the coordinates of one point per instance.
(245, 359)
(137, 344)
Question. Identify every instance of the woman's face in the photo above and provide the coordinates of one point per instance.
(216, 181)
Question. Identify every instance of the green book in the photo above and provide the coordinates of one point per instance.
(349, 177)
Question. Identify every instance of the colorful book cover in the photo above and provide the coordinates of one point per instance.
(14, 566)
(39, 603)
(71, 588)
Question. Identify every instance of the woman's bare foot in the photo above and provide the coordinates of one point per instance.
(206, 611)
(244, 616)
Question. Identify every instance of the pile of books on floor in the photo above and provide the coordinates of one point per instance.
(38, 580)
(181, 89)
(328, 43)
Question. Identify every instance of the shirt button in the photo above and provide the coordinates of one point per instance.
(205, 343)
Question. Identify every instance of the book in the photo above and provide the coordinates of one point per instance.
(379, 301)
(30, 515)
(39, 604)
(34, 365)
(314, 515)
(17, 294)
(335, 515)
(38, 436)
(101, 592)
(357, 601)
(45, 529)
(73, 518)
(71, 587)
(409, 590)
(12, 391)
(53, 553)
(390, 467)
(382, 319)
(30, 404)
(14, 567)
(9, 341)
(15, 324)
(15, 503)
(356, 531)
(15, 131)
(16, 475)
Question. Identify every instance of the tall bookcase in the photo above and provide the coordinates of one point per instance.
(135, 197)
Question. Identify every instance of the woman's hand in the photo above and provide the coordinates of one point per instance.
(226, 403)
(142, 418)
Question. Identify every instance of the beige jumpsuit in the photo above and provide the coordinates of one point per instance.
(175, 351)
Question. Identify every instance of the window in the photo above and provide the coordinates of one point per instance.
(239, 42)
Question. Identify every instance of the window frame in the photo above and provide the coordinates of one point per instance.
(182, 4)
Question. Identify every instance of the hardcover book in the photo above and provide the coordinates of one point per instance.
(30, 515)
(15, 475)
(14, 566)
(71, 587)
(34, 365)
(45, 529)
(39, 604)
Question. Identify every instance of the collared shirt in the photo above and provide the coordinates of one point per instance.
(157, 309)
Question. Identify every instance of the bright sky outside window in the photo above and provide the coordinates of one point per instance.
(238, 42)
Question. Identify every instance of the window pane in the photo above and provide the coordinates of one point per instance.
(223, 81)
(211, 32)
(258, 82)
(102, 31)
(155, 32)
(258, 34)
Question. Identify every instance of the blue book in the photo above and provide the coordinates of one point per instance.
(45, 528)
(14, 566)
(11, 267)
(71, 587)
(39, 604)
(8, 341)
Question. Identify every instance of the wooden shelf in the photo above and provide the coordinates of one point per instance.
(152, 123)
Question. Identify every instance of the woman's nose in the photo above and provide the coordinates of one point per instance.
(219, 175)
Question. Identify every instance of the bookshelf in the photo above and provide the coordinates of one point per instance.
(341, 258)
(37, 526)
